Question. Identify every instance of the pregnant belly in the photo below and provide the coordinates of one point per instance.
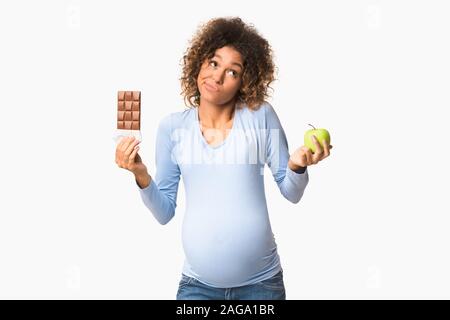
(229, 248)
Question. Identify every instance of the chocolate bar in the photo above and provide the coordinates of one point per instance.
(129, 110)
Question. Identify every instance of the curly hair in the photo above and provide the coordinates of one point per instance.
(256, 53)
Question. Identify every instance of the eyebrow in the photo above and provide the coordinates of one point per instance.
(234, 63)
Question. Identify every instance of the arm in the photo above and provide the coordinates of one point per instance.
(143, 180)
(291, 179)
(160, 194)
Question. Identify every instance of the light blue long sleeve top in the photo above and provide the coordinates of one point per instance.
(226, 232)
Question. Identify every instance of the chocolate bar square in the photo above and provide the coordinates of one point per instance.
(129, 110)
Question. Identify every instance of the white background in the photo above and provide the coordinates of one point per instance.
(373, 222)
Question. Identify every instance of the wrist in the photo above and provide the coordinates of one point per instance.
(296, 168)
(143, 179)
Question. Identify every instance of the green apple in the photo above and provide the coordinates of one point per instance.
(321, 135)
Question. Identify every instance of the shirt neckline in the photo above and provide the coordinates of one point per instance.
(230, 133)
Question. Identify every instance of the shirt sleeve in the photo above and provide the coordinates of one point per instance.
(160, 196)
(291, 184)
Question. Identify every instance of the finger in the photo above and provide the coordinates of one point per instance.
(326, 149)
(123, 142)
(119, 147)
(302, 162)
(121, 153)
(126, 143)
(130, 148)
(315, 157)
(120, 142)
(308, 155)
(319, 149)
(133, 155)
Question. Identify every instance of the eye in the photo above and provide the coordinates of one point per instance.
(212, 63)
(233, 73)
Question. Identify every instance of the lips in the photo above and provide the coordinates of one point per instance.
(210, 86)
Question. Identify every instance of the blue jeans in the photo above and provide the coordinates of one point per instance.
(270, 289)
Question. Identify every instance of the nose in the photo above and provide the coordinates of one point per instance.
(218, 76)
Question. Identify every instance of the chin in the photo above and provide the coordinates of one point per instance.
(214, 100)
(211, 99)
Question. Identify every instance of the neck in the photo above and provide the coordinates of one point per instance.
(216, 116)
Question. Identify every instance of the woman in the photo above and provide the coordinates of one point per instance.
(220, 145)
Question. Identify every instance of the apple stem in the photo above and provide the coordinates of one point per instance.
(312, 126)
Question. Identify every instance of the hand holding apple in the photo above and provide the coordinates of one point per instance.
(317, 147)
(321, 134)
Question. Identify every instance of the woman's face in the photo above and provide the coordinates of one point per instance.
(220, 77)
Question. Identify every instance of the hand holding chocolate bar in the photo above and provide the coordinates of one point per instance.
(127, 156)
(128, 132)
